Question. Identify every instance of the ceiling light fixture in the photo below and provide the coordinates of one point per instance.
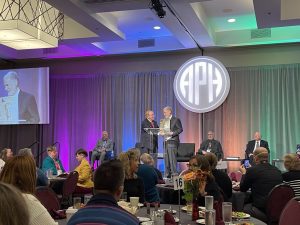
(231, 20)
(30, 24)
(158, 7)
(156, 27)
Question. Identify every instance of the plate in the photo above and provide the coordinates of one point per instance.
(176, 219)
(143, 219)
(200, 221)
(140, 205)
(168, 210)
(184, 208)
(147, 223)
(202, 208)
(240, 215)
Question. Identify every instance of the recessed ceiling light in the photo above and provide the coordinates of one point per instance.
(231, 20)
(156, 27)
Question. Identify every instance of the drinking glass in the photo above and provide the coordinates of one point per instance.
(209, 202)
(227, 212)
(210, 217)
(76, 202)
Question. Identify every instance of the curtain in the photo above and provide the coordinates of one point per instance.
(262, 98)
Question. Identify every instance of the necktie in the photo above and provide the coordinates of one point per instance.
(152, 124)
(256, 145)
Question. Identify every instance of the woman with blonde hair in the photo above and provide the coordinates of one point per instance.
(12, 201)
(133, 185)
(292, 176)
(20, 171)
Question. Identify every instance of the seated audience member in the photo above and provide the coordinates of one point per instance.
(210, 187)
(103, 146)
(221, 178)
(103, 207)
(20, 171)
(260, 178)
(149, 177)
(41, 179)
(12, 210)
(85, 183)
(145, 159)
(5, 154)
(133, 185)
(292, 176)
(51, 162)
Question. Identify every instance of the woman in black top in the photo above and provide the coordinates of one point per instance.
(221, 178)
(292, 176)
(133, 185)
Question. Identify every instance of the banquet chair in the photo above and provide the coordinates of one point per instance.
(185, 152)
(290, 213)
(276, 201)
(68, 189)
(48, 198)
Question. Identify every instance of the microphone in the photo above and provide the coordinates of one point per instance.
(55, 143)
(36, 142)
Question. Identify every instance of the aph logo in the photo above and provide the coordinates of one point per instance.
(201, 84)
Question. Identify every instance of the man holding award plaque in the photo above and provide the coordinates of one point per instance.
(170, 128)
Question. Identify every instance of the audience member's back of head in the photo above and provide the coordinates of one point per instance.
(292, 162)
(261, 155)
(20, 171)
(212, 159)
(147, 159)
(25, 151)
(109, 177)
(13, 210)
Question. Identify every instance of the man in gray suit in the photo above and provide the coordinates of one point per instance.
(103, 146)
(171, 128)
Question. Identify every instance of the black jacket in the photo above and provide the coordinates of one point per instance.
(145, 137)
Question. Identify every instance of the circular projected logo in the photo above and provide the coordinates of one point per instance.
(201, 84)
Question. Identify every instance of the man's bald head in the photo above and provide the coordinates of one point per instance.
(260, 154)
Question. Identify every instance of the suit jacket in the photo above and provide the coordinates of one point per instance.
(250, 146)
(175, 127)
(145, 137)
(216, 148)
(28, 108)
(109, 145)
(48, 163)
(261, 178)
(85, 174)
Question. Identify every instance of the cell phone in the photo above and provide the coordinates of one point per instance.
(246, 163)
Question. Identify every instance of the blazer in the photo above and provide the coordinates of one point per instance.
(28, 108)
(145, 137)
(48, 163)
(251, 144)
(108, 146)
(85, 174)
(175, 127)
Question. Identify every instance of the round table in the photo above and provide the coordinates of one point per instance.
(185, 219)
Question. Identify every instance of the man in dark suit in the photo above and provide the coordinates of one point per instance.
(19, 100)
(149, 146)
(254, 144)
(211, 145)
(171, 127)
(260, 178)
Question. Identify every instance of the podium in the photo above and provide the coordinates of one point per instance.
(151, 132)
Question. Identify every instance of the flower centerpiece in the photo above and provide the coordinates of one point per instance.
(194, 185)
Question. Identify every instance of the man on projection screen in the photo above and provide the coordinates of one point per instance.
(21, 106)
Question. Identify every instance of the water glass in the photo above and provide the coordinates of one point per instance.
(209, 202)
(87, 198)
(124, 197)
(49, 173)
(227, 212)
(76, 202)
(210, 217)
(134, 201)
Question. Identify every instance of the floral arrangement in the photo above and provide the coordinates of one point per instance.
(194, 184)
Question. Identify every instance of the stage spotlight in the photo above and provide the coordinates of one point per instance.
(158, 7)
